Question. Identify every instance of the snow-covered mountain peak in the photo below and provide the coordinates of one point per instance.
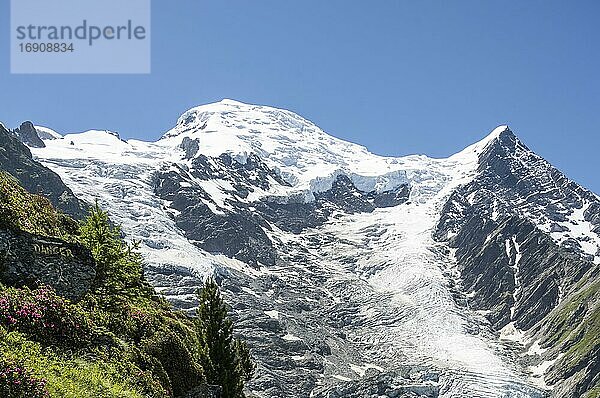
(304, 155)
(299, 150)
(478, 147)
(94, 137)
(230, 113)
(301, 153)
(499, 131)
(499, 134)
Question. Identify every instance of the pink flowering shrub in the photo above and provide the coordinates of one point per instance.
(140, 323)
(44, 317)
(127, 321)
(17, 382)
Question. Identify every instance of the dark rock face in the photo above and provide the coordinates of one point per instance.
(16, 159)
(239, 229)
(512, 269)
(515, 271)
(235, 234)
(30, 260)
(507, 263)
(293, 217)
(190, 147)
(592, 214)
(343, 195)
(244, 177)
(28, 135)
(391, 198)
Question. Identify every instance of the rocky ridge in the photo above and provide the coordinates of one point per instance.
(521, 259)
(16, 159)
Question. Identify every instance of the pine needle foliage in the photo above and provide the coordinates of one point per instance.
(226, 361)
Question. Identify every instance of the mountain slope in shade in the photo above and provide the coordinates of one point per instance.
(353, 274)
(16, 159)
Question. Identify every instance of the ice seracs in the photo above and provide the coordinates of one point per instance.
(305, 156)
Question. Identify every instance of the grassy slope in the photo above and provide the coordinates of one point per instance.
(32, 213)
(68, 377)
(574, 327)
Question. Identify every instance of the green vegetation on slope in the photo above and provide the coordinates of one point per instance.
(119, 340)
(575, 327)
(20, 210)
(60, 375)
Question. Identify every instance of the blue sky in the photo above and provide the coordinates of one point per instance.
(399, 77)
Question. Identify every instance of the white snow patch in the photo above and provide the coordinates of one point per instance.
(578, 228)
(272, 314)
(512, 333)
(46, 133)
(216, 189)
(361, 370)
(249, 291)
(342, 378)
(538, 372)
(515, 267)
(535, 349)
(291, 337)
(358, 369)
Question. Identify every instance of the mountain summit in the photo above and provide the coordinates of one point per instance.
(353, 274)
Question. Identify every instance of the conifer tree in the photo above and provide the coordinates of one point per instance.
(243, 353)
(221, 359)
(119, 271)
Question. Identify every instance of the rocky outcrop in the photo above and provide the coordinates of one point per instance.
(28, 135)
(509, 265)
(410, 382)
(235, 234)
(344, 196)
(526, 180)
(244, 174)
(390, 198)
(30, 260)
(16, 159)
